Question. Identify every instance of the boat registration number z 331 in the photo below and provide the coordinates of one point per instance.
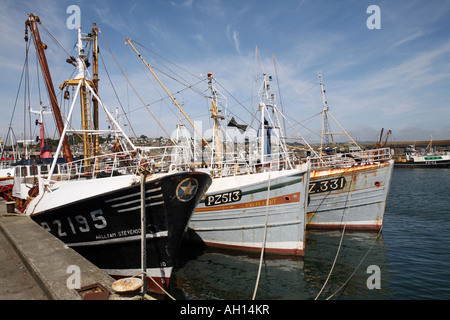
(221, 198)
(326, 185)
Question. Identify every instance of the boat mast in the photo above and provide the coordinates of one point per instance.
(85, 105)
(31, 22)
(167, 91)
(88, 93)
(41, 113)
(325, 123)
(262, 108)
(274, 143)
(95, 80)
(218, 152)
(430, 145)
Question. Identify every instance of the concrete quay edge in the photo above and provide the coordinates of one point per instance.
(48, 259)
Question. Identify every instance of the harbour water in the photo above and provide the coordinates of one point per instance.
(410, 260)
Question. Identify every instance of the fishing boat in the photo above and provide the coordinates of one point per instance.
(6, 178)
(429, 158)
(95, 204)
(6, 169)
(256, 201)
(28, 168)
(348, 190)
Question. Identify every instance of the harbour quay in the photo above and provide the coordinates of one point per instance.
(59, 271)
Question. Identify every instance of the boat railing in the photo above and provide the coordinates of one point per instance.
(151, 159)
(349, 159)
(6, 164)
(233, 164)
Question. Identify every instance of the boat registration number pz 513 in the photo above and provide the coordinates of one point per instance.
(326, 185)
(221, 198)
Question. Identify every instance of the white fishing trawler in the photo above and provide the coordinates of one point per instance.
(255, 202)
(348, 190)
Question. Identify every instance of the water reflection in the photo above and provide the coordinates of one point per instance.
(211, 274)
(413, 255)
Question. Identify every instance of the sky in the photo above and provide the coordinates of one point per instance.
(388, 68)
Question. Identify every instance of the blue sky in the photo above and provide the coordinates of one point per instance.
(396, 77)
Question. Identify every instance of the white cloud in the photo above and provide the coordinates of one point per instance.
(233, 37)
(185, 4)
(236, 40)
(413, 37)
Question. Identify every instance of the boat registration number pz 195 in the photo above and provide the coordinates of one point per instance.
(327, 185)
(221, 198)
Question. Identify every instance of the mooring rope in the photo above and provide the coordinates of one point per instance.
(154, 281)
(264, 240)
(357, 267)
(340, 242)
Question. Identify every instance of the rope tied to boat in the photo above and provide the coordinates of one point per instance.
(264, 240)
(357, 267)
(123, 285)
(342, 238)
(155, 282)
(144, 167)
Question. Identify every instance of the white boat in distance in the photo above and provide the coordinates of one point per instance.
(429, 158)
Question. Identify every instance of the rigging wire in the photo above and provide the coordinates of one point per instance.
(154, 53)
(187, 85)
(292, 84)
(17, 96)
(191, 86)
(162, 99)
(55, 40)
(101, 33)
(115, 92)
(238, 102)
(25, 99)
(279, 91)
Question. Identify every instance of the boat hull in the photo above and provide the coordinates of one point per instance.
(6, 180)
(106, 227)
(427, 164)
(354, 197)
(6, 185)
(240, 224)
